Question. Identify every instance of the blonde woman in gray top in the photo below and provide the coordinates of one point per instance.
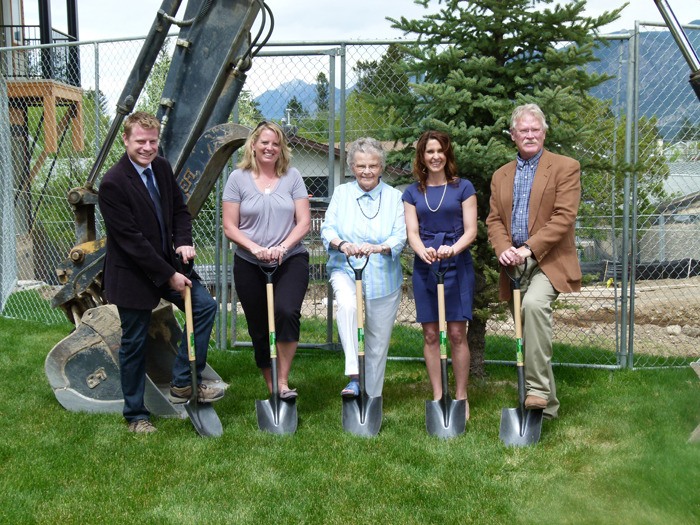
(266, 213)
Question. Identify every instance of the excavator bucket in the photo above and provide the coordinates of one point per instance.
(83, 368)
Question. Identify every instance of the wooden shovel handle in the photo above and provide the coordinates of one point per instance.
(189, 324)
(517, 316)
(271, 319)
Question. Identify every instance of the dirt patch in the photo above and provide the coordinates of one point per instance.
(666, 316)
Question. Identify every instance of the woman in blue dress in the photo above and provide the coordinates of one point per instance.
(441, 224)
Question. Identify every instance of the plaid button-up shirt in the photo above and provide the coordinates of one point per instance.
(524, 175)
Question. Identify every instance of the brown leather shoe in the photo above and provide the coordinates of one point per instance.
(535, 403)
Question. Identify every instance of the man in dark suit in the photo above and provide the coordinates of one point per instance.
(147, 224)
(534, 204)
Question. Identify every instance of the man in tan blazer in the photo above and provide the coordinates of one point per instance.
(534, 203)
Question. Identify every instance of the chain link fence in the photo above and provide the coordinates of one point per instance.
(636, 231)
(665, 246)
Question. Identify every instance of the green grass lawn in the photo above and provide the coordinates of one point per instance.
(618, 454)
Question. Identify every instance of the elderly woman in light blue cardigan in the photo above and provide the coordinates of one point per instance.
(365, 218)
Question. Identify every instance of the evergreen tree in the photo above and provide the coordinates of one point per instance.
(249, 113)
(375, 78)
(688, 131)
(149, 100)
(477, 61)
(296, 111)
(378, 77)
(322, 92)
(94, 104)
(97, 99)
(315, 127)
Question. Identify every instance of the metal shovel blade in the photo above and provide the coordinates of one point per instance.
(446, 418)
(202, 415)
(204, 419)
(362, 415)
(276, 416)
(520, 428)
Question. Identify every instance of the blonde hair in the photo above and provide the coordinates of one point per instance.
(248, 161)
(143, 119)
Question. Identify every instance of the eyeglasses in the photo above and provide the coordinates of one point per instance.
(529, 131)
(374, 168)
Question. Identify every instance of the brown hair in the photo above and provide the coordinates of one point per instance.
(420, 170)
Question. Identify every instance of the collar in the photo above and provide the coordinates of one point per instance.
(531, 161)
(140, 169)
(372, 194)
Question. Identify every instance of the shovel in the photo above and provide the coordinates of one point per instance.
(275, 415)
(445, 418)
(203, 416)
(519, 427)
(362, 415)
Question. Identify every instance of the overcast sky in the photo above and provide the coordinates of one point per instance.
(297, 20)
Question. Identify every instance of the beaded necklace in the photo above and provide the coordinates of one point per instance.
(379, 207)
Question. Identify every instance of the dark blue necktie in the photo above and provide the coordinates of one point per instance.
(155, 197)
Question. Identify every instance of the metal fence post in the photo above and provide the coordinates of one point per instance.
(634, 110)
(629, 126)
(98, 135)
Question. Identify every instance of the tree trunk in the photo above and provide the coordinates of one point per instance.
(476, 337)
(484, 295)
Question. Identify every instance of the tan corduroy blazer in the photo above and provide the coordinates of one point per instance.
(554, 201)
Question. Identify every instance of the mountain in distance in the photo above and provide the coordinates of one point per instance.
(273, 102)
(664, 90)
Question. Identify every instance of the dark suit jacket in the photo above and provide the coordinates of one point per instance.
(554, 200)
(135, 266)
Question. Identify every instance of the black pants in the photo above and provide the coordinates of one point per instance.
(289, 282)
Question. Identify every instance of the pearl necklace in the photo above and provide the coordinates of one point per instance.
(425, 195)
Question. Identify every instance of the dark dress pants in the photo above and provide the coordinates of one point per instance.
(132, 353)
